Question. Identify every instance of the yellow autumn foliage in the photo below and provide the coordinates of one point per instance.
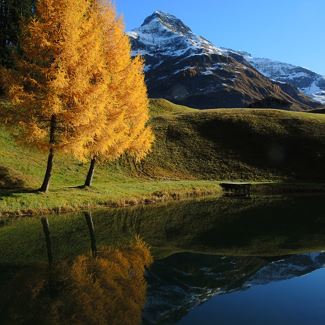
(59, 73)
(127, 113)
(75, 87)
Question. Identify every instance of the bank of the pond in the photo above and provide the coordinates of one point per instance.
(19, 203)
(267, 188)
(15, 203)
(192, 151)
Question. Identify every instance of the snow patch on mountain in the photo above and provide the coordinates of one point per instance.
(188, 69)
(315, 91)
(161, 32)
(307, 81)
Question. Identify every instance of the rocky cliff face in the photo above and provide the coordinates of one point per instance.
(189, 70)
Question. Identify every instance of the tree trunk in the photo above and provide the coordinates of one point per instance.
(90, 174)
(46, 230)
(45, 186)
(90, 225)
(46, 183)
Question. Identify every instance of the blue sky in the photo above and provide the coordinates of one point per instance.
(291, 31)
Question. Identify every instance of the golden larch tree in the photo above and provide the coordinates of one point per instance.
(57, 88)
(125, 127)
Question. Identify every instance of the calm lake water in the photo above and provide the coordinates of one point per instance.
(222, 261)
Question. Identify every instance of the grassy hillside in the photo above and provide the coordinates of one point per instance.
(193, 149)
(251, 144)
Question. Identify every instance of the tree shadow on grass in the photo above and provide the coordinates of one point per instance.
(13, 192)
(11, 184)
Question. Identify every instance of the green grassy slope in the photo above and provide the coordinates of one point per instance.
(247, 144)
(192, 149)
(117, 184)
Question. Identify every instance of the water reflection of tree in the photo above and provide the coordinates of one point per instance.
(108, 289)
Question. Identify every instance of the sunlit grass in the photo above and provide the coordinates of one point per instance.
(194, 150)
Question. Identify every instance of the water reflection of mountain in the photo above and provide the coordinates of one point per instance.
(181, 282)
(188, 240)
(288, 267)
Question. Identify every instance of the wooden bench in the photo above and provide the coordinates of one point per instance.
(237, 189)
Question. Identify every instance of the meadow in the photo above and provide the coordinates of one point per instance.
(193, 152)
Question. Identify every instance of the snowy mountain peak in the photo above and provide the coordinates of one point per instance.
(167, 21)
(188, 69)
(163, 34)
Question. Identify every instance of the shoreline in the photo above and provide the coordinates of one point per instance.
(206, 189)
(149, 199)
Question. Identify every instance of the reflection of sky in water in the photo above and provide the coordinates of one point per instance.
(299, 301)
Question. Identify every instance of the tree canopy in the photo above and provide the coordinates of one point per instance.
(74, 87)
(57, 90)
(125, 129)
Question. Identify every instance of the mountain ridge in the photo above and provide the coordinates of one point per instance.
(189, 70)
(307, 81)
